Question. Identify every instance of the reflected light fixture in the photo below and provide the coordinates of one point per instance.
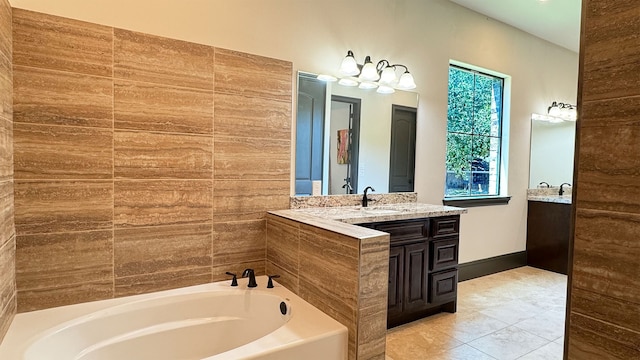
(328, 78)
(348, 82)
(367, 85)
(381, 75)
(383, 89)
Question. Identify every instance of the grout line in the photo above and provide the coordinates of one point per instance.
(113, 76)
(113, 128)
(63, 71)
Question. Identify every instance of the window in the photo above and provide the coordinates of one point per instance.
(474, 134)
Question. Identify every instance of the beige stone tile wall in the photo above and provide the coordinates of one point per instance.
(604, 305)
(344, 276)
(7, 230)
(142, 163)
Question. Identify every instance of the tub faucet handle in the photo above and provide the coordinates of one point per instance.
(252, 277)
(270, 283)
(234, 281)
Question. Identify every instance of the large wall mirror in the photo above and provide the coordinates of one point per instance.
(349, 138)
(552, 147)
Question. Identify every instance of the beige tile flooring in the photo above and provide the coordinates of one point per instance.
(515, 314)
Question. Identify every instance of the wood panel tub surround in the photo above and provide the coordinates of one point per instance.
(134, 148)
(339, 268)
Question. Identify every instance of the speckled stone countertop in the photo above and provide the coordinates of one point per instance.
(359, 215)
(550, 195)
(564, 199)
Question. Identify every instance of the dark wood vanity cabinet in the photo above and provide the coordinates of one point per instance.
(548, 233)
(423, 267)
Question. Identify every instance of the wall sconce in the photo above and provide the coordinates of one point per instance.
(382, 75)
(564, 111)
(557, 113)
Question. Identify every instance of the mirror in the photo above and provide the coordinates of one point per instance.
(349, 138)
(551, 157)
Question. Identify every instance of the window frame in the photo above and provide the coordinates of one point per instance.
(483, 200)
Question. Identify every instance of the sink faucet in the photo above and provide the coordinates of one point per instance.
(561, 191)
(365, 199)
(252, 277)
(545, 183)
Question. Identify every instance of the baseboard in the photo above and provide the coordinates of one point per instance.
(478, 268)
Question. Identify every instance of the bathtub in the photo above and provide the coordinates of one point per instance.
(211, 321)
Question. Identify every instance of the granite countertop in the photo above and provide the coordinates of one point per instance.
(564, 199)
(388, 212)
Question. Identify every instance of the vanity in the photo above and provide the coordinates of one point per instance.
(548, 230)
(423, 266)
(369, 268)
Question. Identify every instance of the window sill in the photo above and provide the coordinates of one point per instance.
(477, 201)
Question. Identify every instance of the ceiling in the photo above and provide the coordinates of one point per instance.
(557, 21)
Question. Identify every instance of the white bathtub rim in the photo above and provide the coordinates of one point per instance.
(160, 298)
(23, 334)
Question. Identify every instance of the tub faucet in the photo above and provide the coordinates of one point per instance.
(252, 277)
(365, 199)
(234, 281)
(561, 191)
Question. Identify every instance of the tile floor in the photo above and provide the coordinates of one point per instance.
(515, 314)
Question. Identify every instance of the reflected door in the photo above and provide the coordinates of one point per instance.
(403, 149)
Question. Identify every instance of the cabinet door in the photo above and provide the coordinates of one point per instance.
(415, 276)
(396, 271)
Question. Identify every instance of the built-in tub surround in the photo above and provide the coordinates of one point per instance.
(8, 296)
(210, 321)
(341, 268)
(142, 163)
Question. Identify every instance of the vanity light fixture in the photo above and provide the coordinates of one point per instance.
(381, 75)
(349, 65)
(369, 71)
(564, 111)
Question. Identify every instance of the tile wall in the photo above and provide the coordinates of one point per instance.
(341, 275)
(605, 286)
(141, 163)
(7, 230)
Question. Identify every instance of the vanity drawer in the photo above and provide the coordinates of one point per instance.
(445, 226)
(405, 230)
(444, 253)
(443, 286)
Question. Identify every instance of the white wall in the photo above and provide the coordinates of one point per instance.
(552, 148)
(423, 34)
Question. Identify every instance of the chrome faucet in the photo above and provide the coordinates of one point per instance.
(365, 199)
(561, 191)
(252, 277)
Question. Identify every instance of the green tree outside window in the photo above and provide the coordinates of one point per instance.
(474, 120)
